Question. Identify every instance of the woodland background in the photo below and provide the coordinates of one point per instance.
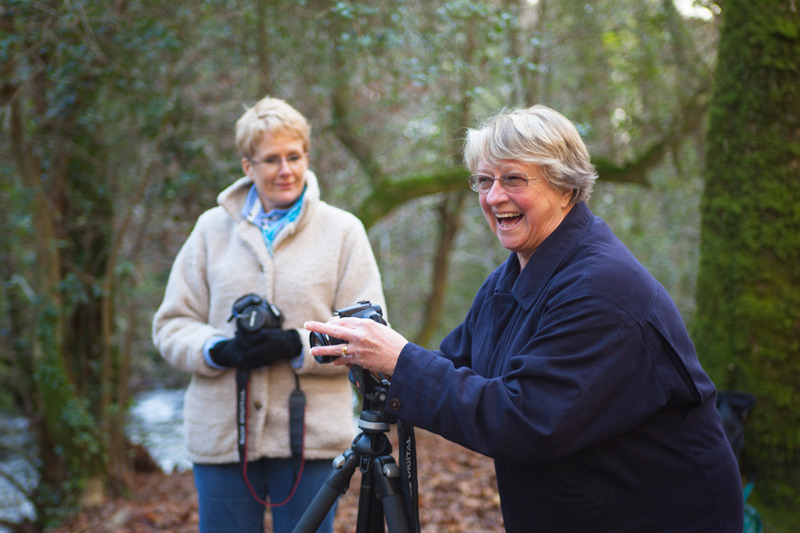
(117, 132)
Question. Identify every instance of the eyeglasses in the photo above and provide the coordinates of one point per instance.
(512, 182)
(274, 162)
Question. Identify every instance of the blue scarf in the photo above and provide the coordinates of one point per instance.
(272, 222)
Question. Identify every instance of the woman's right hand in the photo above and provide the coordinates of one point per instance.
(369, 344)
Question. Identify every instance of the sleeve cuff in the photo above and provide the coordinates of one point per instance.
(297, 362)
(210, 343)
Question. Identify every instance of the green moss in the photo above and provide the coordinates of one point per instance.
(747, 324)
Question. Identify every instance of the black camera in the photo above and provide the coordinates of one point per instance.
(363, 309)
(253, 313)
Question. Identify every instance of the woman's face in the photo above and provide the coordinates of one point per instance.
(277, 168)
(523, 219)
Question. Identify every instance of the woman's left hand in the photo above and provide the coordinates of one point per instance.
(369, 344)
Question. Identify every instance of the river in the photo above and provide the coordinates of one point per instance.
(155, 422)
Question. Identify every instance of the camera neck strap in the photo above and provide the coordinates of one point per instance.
(297, 425)
(297, 408)
(242, 384)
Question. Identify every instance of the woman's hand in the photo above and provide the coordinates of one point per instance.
(369, 344)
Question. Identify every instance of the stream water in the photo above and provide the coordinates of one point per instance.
(155, 422)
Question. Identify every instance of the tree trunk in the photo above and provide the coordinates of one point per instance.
(60, 151)
(748, 290)
(450, 210)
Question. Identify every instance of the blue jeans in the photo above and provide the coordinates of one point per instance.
(227, 505)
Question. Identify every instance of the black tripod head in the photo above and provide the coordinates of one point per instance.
(374, 390)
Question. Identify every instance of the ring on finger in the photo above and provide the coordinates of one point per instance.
(344, 350)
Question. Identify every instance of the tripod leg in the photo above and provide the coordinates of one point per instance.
(387, 478)
(370, 510)
(336, 485)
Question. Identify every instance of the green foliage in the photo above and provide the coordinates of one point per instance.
(68, 435)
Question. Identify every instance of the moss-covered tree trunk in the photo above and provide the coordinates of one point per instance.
(747, 328)
(55, 93)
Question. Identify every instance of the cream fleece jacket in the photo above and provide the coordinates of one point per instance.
(321, 262)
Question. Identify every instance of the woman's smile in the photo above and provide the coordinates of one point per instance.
(508, 220)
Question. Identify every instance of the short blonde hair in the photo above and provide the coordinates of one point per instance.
(537, 135)
(270, 116)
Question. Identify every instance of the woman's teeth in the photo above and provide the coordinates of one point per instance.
(507, 219)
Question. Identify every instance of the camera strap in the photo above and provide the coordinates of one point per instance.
(297, 412)
(297, 407)
(242, 385)
(407, 456)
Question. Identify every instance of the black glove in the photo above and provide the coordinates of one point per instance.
(254, 349)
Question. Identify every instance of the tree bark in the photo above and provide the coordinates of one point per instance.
(748, 290)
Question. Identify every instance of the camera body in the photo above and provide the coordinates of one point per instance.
(363, 309)
(253, 313)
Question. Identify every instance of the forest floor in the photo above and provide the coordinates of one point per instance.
(457, 487)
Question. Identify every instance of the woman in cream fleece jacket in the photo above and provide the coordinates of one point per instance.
(270, 235)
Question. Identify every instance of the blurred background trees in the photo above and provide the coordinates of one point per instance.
(117, 132)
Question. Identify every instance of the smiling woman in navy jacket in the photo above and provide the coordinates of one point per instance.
(573, 368)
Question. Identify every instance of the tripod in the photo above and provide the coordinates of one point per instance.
(381, 494)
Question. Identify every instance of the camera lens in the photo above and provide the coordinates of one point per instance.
(318, 339)
(322, 339)
(252, 319)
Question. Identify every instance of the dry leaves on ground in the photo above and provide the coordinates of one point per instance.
(457, 487)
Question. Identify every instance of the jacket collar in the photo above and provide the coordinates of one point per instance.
(526, 285)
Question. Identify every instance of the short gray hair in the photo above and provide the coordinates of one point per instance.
(537, 135)
(268, 117)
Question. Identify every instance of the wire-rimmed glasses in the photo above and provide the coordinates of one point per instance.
(512, 182)
(274, 162)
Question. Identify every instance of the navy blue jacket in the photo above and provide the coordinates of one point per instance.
(578, 377)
